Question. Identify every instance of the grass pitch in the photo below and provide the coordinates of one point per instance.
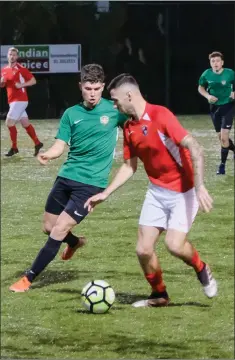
(48, 322)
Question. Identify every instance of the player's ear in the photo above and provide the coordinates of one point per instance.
(129, 96)
(80, 85)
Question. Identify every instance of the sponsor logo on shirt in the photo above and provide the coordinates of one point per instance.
(104, 119)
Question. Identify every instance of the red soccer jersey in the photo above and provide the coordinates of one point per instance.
(155, 139)
(12, 75)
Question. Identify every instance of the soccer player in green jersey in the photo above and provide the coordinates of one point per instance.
(217, 85)
(90, 129)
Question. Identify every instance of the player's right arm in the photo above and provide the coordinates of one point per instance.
(125, 172)
(53, 153)
(3, 79)
(202, 89)
(62, 138)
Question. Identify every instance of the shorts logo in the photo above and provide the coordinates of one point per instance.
(223, 82)
(145, 130)
(104, 119)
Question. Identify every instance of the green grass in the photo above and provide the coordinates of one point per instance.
(49, 322)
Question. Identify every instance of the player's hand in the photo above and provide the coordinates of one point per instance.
(204, 199)
(232, 95)
(95, 200)
(212, 99)
(43, 158)
(18, 85)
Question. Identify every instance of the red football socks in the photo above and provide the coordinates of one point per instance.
(13, 136)
(31, 132)
(156, 281)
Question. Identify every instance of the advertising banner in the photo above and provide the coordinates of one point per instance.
(46, 58)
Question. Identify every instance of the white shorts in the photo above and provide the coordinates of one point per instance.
(17, 110)
(169, 209)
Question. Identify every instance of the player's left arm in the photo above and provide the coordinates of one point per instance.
(180, 136)
(196, 153)
(232, 95)
(30, 79)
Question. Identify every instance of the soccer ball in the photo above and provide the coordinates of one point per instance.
(98, 296)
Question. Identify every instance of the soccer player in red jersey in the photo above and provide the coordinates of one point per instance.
(173, 161)
(16, 78)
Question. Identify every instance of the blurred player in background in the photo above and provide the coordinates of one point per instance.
(16, 78)
(90, 129)
(217, 85)
(173, 161)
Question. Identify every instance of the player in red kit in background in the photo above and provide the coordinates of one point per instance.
(173, 161)
(16, 78)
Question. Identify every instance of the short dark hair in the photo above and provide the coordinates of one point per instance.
(120, 80)
(93, 73)
(216, 54)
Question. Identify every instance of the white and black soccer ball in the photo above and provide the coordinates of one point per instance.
(98, 296)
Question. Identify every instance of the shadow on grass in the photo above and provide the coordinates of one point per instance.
(128, 299)
(125, 298)
(122, 345)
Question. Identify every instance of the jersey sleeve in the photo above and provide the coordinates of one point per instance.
(202, 80)
(26, 73)
(64, 131)
(128, 150)
(172, 127)
(122, 118)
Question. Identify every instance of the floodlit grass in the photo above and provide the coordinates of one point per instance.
(48, 322)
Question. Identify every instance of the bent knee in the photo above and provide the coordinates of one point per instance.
(144, 251)
(174, 247)
(47, 227)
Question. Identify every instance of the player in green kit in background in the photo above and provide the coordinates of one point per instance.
(90, 129)
(217, 85)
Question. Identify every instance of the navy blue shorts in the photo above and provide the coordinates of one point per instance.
(70, 196)
(222, 116)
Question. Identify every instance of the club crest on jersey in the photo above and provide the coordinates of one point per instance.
(223, 82)
(145, 130)
(104, 119)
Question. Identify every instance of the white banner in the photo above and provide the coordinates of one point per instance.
(46, 58)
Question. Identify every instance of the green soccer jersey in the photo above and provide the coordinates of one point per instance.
(219, 85)
(92, 136)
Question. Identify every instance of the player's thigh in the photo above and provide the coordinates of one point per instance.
(216, 117)
(57, 198)
(79, 195)
(153, 213)
(228, 113)
(16, 110)
(147, 238)
(63, 225)
(184, 208)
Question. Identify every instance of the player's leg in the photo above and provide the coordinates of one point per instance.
(227, 114)
(80, 194)
(31, 132)
(217, 122)
(151, 223)
(147, 239)
(62, 227)
(182, 215)
(55, 204)
(13, 116)
(49, 220)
